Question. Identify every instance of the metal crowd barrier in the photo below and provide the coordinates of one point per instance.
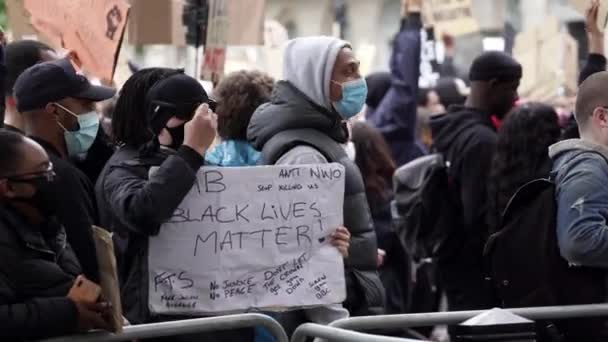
(189, 326)
(455, 317)
(339, 335)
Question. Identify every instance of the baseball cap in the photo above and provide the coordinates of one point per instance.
(52, 81)
(177, 95)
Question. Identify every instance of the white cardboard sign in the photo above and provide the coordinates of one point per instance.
(251, 237)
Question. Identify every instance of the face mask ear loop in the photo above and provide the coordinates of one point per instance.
(69, 112)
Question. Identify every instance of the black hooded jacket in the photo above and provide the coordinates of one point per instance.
(133, 205)
(467, 139)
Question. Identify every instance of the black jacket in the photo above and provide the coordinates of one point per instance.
(292, 120)
(467, 139)
(96, 157)
(76, 209)
(37, 270)
(134, 205)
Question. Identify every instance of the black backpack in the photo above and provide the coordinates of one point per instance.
(425, 211)
(526, 269)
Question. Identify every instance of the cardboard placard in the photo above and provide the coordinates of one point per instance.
(160, 22)
(251, 237)
(108, 275)
(92, 29)
(549, 59)
(452, 17)
(156, 22)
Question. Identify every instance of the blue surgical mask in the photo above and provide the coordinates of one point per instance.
(354, 94)
(80, 141)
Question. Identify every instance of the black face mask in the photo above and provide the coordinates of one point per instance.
(177, 136)
(45, 198)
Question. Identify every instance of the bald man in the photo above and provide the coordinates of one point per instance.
(580, 170)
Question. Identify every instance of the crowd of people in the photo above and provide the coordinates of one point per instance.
(74, 155)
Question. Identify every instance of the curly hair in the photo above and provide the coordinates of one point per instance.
(521, 154)
(238, 96)
(373, 156)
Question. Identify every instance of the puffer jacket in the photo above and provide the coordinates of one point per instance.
(232, 153)
(292, 121)
(37, 270)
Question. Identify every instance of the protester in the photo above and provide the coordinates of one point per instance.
(304, 124)
(373, 157)
(37, 266)
(392, 100)
(428, 100)
(238, 96)
(162, 118)
(521, 154)
(56, 103)
(428, 106)
(451, 91)
(596, 61)
(579, 167)
(467, 138)
(19, 56)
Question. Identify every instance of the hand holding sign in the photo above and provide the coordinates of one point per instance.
(341, 240)
(200, 131)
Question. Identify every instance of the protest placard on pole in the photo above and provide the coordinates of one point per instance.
(156, 22)
(454, 17)
(217, 38)
(92, 29)
(255, 237)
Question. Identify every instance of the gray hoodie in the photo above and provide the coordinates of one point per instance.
(580, 172)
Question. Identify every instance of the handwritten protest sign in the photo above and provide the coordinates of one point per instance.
(254, 237)
(92, 29)
(450, 16)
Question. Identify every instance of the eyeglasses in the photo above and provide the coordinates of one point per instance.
(47, 175)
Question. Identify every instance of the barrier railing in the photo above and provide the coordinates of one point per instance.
(339, 335)
(446, 318)
(175, 328)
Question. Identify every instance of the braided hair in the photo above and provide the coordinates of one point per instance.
(129, 122)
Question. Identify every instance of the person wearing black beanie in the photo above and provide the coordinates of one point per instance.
(466, 136)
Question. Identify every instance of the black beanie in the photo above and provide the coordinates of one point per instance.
(378, 85)
(495, 65)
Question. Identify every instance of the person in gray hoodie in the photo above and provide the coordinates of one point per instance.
(580, 171)
(305, 123)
